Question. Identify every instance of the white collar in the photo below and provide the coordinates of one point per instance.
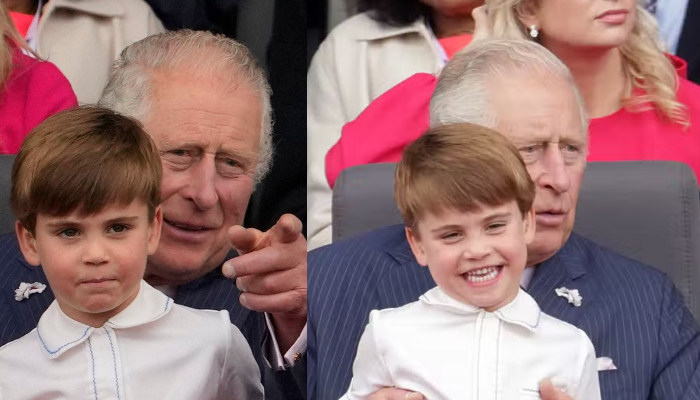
(59, 333)
(523, 310)
(369, 29)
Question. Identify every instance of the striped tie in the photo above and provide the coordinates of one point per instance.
(651, 6)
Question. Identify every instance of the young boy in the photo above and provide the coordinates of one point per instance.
(466, 200)
(85, 190)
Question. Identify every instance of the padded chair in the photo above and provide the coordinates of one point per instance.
(648, 211)
(7, 218)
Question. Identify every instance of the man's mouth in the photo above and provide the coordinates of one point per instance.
(186, 227)
(550, 217)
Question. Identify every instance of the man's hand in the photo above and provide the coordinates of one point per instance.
(549, 392)
(395, 394)
(271, 272)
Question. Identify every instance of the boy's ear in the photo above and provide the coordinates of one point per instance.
(530, 225)
(526, 12)
(416, 247)
(27, 243)
(154, 231)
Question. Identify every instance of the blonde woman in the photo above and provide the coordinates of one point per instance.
(30, 89)
(638, 101)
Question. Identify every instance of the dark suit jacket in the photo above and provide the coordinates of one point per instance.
(632, 313)
(689, 41)
(213, 291)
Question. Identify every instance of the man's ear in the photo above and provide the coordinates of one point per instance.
(526, 12)
(154, 231)
(416, 247)
(530, 225)
(27, 243)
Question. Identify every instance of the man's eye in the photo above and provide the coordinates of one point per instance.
(178, 152)
(69, 232)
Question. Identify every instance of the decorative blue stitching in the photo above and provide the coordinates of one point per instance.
(167, 302)
(92, 357)
(114, 361)
(67, 344)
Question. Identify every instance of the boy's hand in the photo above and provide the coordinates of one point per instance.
(395, 394)
(271, 272)
(549, 392)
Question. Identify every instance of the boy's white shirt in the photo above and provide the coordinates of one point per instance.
(152, 349)
(446, 349)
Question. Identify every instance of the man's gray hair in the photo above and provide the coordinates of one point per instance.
(198, 52)
(463, 93)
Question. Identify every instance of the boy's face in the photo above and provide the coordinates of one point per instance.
(94, 264)
(477, 257)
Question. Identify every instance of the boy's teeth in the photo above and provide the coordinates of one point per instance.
(482, 274)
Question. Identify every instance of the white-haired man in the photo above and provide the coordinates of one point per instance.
(523, 91)
(206, 104)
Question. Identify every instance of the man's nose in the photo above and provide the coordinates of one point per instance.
(202, 190)
(556, 175)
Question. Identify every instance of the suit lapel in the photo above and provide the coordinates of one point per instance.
(405, 282)
(565, 269)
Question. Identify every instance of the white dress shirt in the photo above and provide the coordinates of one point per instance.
(446, 349)
(153, 349)
(670, 15)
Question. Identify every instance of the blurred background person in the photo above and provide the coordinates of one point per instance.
(83, 38)
(679, 27)
(388, 41)
(30, 89)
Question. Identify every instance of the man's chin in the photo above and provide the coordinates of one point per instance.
(172, 267)
(546, 244)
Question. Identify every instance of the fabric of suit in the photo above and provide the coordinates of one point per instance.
(631, 312)
(688, 42)
(213, 292)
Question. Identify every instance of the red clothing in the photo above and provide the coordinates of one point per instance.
(400, 116)
(453, 44)
(22, 22)
(33, 91)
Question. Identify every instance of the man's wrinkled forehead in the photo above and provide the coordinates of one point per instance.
(537, 109)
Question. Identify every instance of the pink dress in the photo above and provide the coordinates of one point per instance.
(33, 91)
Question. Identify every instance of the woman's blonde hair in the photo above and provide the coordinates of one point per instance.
(645, 64)
(10, 38)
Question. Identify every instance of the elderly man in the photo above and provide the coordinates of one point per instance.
(632, 313)
(206, 104)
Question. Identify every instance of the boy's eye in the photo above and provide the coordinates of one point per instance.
(450, 236)
(118, 228)
(69, 232)
(495, 227)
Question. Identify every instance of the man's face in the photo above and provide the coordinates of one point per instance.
(209, 141)
(543, 120)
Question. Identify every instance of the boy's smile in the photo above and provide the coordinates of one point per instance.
(475, 257)
(94, 263)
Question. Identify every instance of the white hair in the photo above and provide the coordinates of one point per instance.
(463, 93)
(197, 52)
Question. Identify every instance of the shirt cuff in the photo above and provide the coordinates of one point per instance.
(274, 354)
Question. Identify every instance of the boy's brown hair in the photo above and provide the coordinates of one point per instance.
(84, 159)
(460, 166)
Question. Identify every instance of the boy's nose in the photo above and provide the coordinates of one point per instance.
(476, 250)
(94, 252)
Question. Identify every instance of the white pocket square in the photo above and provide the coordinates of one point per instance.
(605, 364)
